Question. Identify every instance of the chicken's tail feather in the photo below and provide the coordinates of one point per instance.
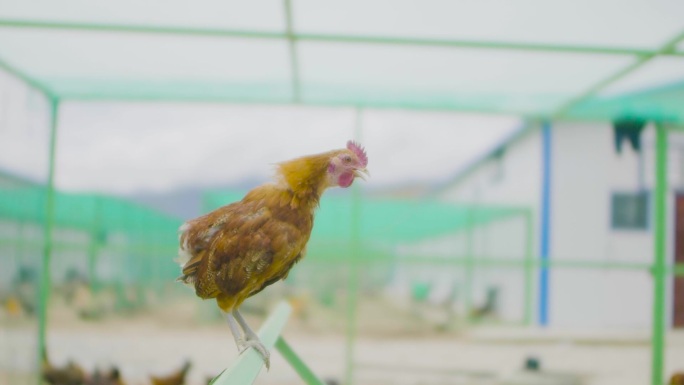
(184, 255)
(186, 279)
(189, 265)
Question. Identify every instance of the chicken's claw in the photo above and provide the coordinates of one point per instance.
(259, 347)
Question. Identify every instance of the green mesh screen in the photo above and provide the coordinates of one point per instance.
(100, 238)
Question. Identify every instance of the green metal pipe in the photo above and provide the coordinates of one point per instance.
(92, 97)
(603, 83)
(476, 44)
(28, 79)
(669, 47)
(659, 273)
(294, 57)
(391, 105)
(516, 263)
(677, 269)
(142, 29)
(297, 364)
(44, 293)
(331, 38)
(480, 262)
(354, 263)
(77, 246)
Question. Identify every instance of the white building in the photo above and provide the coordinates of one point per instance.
(599, 211)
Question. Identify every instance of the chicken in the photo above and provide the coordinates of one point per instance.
(238, 250)
(113, 377)
(70, 374)
(677, 379)
(176, 378)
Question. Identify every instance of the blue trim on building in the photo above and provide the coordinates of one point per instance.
(545, 220)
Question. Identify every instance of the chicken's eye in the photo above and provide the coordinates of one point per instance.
(346, 159)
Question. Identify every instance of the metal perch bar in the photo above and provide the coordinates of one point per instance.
(248, 365)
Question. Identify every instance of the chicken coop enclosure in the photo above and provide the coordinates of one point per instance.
(384, 265)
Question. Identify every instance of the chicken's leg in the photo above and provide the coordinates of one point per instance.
(251, 339)
(239, 340)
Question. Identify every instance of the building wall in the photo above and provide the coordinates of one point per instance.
(586, 170)
(512, 179)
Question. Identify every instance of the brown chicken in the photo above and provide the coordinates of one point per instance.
(113, 377)
(677, 379)
(176, 378)
(70, 374)
(238, 250)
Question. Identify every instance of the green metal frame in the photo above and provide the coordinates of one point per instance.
(294, 57)
(659, 263)
(659, 268)
(666, 49)
(642, 57)
(329, 38)
(44, 296)
(354, 265)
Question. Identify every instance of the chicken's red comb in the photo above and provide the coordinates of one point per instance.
(359, 151)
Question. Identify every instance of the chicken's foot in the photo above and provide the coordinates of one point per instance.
(248, 338)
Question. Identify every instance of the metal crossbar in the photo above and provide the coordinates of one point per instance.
(246, 368)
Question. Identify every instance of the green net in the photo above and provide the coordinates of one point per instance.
(99, 239)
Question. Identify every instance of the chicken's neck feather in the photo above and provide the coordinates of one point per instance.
(306, 177)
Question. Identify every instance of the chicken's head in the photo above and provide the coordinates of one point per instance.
(347, 164)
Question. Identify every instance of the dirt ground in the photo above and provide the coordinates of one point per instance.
(159, 342)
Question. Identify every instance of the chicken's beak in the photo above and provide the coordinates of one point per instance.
(362, 173)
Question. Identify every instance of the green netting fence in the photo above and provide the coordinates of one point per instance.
(100, 240)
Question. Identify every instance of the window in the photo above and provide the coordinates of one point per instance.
(629, 210)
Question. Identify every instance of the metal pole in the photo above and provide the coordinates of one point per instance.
(294, 58)
(545, 245)
(353, 284)
(44, 293)
(335, 38)
(641, 60)
(297, 364)
(659, 268)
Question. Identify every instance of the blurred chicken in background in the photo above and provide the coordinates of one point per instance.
(175, 378)
(70, 374)
(113, 377)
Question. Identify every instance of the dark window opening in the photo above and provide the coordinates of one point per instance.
(629, 211)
